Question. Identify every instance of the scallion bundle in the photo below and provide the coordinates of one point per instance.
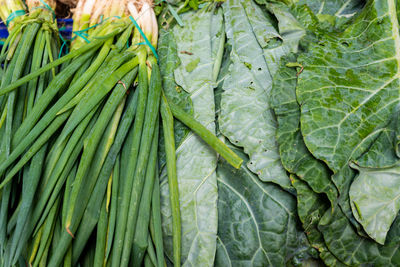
(33, 42)
(95, 128)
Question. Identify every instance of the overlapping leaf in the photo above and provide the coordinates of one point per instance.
(196, 161)
(169, 61)
(246, 118)
(375, 199)
(257, 221)
(373, 194)
(354, 250)
(349, 85)
(331, 14)
(349, 89)
(294, 154)
(311, 207)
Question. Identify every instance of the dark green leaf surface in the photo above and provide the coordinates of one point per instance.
(257, 223)
(348, 91)
(354, 250)
(329, 14)
(349, 86)
(311, 207)
(294, 154)
(382, 153)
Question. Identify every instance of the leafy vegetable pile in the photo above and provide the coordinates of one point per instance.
(128, 150)
(307, 93)
(82, 153)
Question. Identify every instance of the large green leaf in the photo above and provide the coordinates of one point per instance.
(331, 14)
(340, 243)
(382, 153)
(311, 207)
(333, 7)
(257, 221)
(246, 119)
(375, 199)
(169, 61)
(298, 160)
(196, 161)
(354, 250)
(348, 90)
(379, 159)
(349, 85)
(294, 154)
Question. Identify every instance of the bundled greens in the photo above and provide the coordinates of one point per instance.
(201, 133)
(87, 147)
(308, 90)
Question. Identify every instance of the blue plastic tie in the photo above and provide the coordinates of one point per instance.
(46, 6)
(63, 45)
(15, 14)
(83, 34)
(147, 42)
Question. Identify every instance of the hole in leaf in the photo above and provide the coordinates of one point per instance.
(346, 44)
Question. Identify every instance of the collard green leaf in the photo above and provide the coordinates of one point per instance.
(354, 250)
(382, 153)
(348, 90)
(330, 14)
(349, 86)
(257, 221)
(246, 119)
(294, 154)
(375, 199)
(311, 207)
(196, 161)
(343, 180)
(337, 8)
(340, 243)
(290, 28)
(169, 61)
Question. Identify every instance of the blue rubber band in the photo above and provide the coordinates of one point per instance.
(83, 34)
(147, 42)
(46, 6)
(63, 45)
(15, 14)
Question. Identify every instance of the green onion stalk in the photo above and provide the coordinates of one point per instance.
(95, 129)
(33, 42)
